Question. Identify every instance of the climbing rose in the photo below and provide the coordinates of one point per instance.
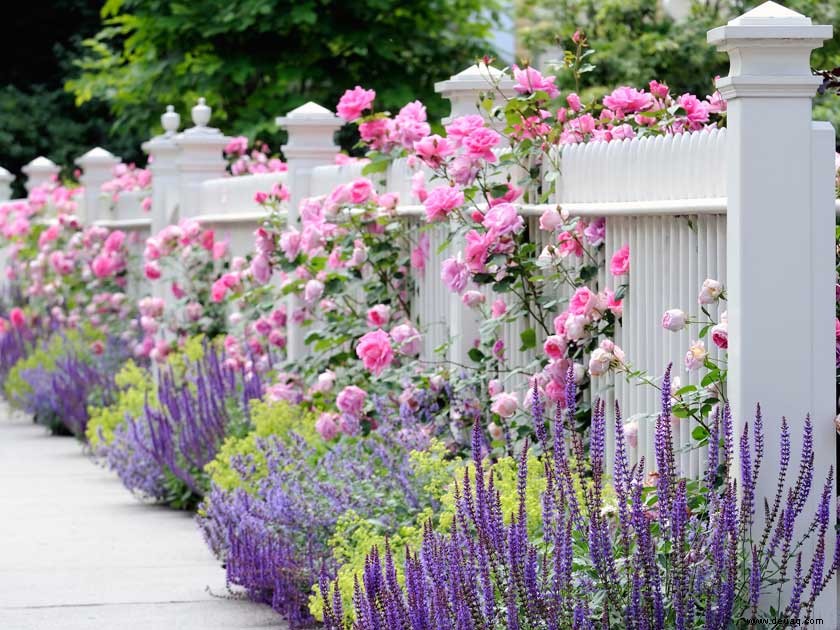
(326, 425)
(406, 338)
(454, 274)
(673, 320)
(550, 220)
(502, 220)
(620, 263)
(462, 127)
(499, 308)
(361, 190)
(627, 100)
(530, 80)
(631, 433)
(720, 335)
(17, 318)
(480, 143)
(504, 404)
(555, 347)
(351, 400)
(374, 349)
(432, 149)
(354, 102)
(441, 201)
(378, 315)
(473, 298)
(696, 356)
(152, 270)
(710, 291)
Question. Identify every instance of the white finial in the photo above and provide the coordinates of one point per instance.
(201, 113)
(171, 120)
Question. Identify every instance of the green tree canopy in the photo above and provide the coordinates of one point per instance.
(256, 59)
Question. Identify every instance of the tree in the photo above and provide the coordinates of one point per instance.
(255, 59)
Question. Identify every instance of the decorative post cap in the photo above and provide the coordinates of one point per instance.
(97, 157)
(464, 89)
(170, 120)
(311, 128)
(769, 49)
(5, 176)
(201, 113)
(40, 171)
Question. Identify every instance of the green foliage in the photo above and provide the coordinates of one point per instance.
(253, 60)
(268, 418)
(134, 387)
(636, 41)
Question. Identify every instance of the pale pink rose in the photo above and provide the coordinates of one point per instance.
(696, 356)
(351, 400)
(631, 434)
(673, 319)
(575, 326)
(420, 254)
(710, 291)
(504, 404)
(407, 339)
(599, 362)
(378, 316)
(462, 127)
(325, 382)
(476, 249)
(361, 190)
(583, 301)
(555, 347)
(194, 311)
(495, 431)
(620, 263)
(354, 102)
(374, 349)
(720, 335)
(312, 291)
(494, 387)
(480, 143)
(455, 274)
(327, 426)
(290, 243)
(433, 149)
(503, 219)
(550, 220)
(261, 269)
(441, 201)
(473, 298)
(499, 308)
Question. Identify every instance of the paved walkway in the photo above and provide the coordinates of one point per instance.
(78, 552)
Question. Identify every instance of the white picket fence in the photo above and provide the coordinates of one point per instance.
(751, 206)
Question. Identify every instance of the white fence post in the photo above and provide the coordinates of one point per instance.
(311, 129)
(780, 229)
(163, 153)
(98, 167)
(200, 159)
(463, 91)
(6, 179)
(39, 171)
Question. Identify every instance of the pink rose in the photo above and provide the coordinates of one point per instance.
(441, 201)
(261, 269)
(555, 347)
(627, 100)
(374, 349)
(631, 434)
(620, 263)
(327, 426)
(550, 220)
(499, 308)
(710, 291)
(407, 339)
(361, 190)
(432, 149)
(480, 143)
(696, 356)
(152, 270)
(354, 102)
(720, 335)
(312, 291)
(114, 242)
(218, 290)
(351, 400)
(673, 320)
(462, 127)
(378, 316)
(530, 80)
(473, 298)
(17, 318)
(502, 220)
(574, 102)
(583, 301)
(103, 266)
(494, 387)
(454, 274)
(504, 404)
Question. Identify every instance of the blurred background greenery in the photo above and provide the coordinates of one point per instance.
(101, 73)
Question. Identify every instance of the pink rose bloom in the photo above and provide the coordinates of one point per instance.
(574, 102)
(555, 347)
(462, 127)
(494, 387)
(568, 243)
(312, 291)
(277, 339)
(530, 80)
(441, 201)
(351, 401)
(695, 110)
(378, 316)
(720, 335)
(432, 149)
(550, 220)
(837, 328)
(583, 301)
(261, 269)
(152, 270)
(325, 382)
(290, 243)
(476, 249)
(327, 426)
(620, 263)
(503, 220)
(659, 90)
(218, 290)
(614, 305)
(696, 356)
(710, 292)
(104, 266)
(631, 434)
(596, 232)
(627, 100)
(354, 102)
(374, 349)
(455, 274)
(361, 190)
(473, 298)
(479, 144)
(418, 186)
(260, 197)
(194, 311)
(17, 318)
(599, 362)
(114, 242)
(464, 169)
(375, 132)
(673, 319)
(499, 308)
(420, 254)
(49, 235)
(407, 339)
(504, 404)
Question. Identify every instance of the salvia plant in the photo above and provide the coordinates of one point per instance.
(675, 554)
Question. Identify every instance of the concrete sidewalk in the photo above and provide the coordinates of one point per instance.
(78, 552)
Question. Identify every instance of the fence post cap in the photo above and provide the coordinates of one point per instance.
(170, 120)
(41, 165)
(5, 176)
(199, 132)
(767, 22)
(97, 157)
(309, 114)
(477, 77)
